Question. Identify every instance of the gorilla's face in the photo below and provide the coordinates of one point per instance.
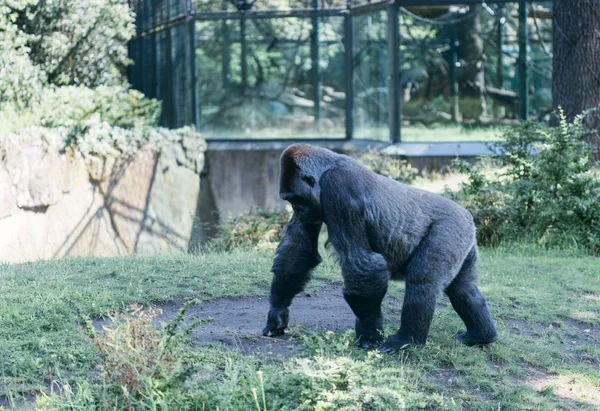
(304, 197)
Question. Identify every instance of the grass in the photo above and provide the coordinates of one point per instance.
(546, 305)
(449, 133)
(410, 134)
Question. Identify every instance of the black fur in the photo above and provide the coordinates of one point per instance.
(381, 229)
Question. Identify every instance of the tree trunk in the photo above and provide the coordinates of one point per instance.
(576, 62)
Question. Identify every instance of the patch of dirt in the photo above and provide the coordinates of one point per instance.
(573, 333)
(238, 322)
(520, 327)
(588, 332)
(572, 388)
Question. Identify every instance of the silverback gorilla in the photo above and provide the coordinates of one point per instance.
(380, 229)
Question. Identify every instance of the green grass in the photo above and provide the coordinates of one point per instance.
(410, 134)
(546, 305)
(449, 133)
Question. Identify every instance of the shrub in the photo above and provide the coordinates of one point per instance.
(546, 191)
(58, 43)
(63, 67)
(75, 106)
(388, 165)
(257, 229)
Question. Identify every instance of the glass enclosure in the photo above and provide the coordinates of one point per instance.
(332, 69)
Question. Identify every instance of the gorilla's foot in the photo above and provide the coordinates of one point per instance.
(394, 344)
(277, 321)
(463, 337)
(368, 340)
(367, 343)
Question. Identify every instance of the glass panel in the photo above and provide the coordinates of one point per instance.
(370, 61)
(214, 5)
(256, 79)
(501, 68)
(448, 65)
(540, 37)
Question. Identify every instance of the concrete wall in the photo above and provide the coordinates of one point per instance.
(242, 179)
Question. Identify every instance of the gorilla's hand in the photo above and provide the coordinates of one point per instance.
(277, 321)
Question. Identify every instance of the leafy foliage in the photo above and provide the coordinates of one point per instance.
(58, 43)
(63, 68)
(62, 78)
(257, 229)
(388, 165)
(74, 106)
(546, 193)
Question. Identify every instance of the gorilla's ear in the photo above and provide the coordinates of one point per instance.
(310, 180)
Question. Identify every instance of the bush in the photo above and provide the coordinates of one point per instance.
(74, 106)
(545, 193)
(59, 43)
(257, 229)
(63, 67)
(388, 165)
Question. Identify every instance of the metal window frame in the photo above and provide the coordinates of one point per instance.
(148, 26)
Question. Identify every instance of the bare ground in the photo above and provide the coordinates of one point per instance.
(237, 323)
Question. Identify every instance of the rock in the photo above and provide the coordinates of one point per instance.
(442, 116)
(171, 211)
(179, 154)
(8, 201)
(276, 110)
(330, 92)
(127, 195)
(56, 204)
(296, 101)
(35, 171)
(194, 142)
(326, 124)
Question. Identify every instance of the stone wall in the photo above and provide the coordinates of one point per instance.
(53, 204)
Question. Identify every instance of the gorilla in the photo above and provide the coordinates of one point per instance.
(380, 229)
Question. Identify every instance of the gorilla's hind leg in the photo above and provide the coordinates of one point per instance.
(433, 264)
(470, 305)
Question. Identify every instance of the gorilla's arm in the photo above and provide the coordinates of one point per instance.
(296, 256)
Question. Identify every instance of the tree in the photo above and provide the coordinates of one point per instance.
(61, 43)
(576, 62)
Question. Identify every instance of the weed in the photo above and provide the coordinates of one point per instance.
(546, 357)
(140, 366)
